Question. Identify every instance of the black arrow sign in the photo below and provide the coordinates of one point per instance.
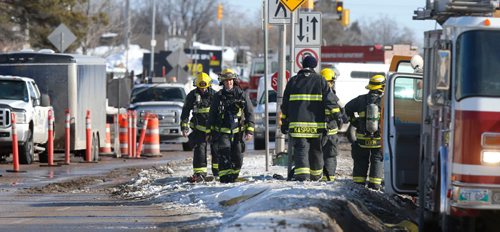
(301, 36)
(314, 21)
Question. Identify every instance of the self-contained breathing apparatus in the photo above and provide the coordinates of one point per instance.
(231, 106)
(372, 118)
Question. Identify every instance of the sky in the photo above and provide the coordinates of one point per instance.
(365, 10)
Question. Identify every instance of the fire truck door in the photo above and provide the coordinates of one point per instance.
(402, 119)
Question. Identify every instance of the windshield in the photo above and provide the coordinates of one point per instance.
(147, 94)
(272, 97)
(478, 72)
(13, 90)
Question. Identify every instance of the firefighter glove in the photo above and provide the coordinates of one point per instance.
(284, 126)
(185, 131)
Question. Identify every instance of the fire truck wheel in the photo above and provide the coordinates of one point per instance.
(26, 150)
(451, 223)
(428, 221)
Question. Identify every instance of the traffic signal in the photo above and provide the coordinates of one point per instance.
(339, 8)
(345, 18)
(308, 5)
(219, 12)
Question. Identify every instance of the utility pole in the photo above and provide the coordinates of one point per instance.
(280, 137)
(127, 33)
(266, 91)
(153, 42)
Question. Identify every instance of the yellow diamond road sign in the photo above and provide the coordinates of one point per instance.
(292, 4)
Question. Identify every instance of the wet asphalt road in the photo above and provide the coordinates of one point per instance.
(83, 210)
(78, 210)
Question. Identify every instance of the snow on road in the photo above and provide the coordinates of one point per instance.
(266, 204)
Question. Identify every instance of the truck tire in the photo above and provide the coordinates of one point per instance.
(259, 144)
(27, 150)
(186, 147)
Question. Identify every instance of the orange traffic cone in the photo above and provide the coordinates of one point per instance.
(123, 123)
(106, 149)
(152, 139)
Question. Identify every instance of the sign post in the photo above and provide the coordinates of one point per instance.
(266, 71)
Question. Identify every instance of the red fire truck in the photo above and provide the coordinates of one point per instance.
(442, 139)
(257, 71)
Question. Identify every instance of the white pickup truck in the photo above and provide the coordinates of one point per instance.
(21, 96)
(166, 101)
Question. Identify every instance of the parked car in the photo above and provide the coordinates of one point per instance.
(166, 101)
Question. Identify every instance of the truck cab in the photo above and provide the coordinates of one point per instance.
(21, 96)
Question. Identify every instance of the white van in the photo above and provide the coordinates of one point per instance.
(353, 78)
(349, 84)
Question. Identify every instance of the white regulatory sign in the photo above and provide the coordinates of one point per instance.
(278, 13)
(308, 29)
(300, 53)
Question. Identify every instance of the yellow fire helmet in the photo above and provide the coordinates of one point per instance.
(227, 74)
(203, 80)
(328, 74)
(377, 82)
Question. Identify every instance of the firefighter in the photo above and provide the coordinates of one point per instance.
(231, 121)
(308, 110)
(198, 101)
(366, 149)
(330, 150)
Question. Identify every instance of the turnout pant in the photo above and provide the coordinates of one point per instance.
(364, 158)
(230, 150)
(198, 139)
(330, 152)
(308, 158)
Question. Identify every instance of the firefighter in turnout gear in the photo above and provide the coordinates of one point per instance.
(367, 149)
(198, 101)
(330, 150)
(309, 109)
(231, 121)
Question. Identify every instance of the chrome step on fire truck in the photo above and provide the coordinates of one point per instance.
(444, 144)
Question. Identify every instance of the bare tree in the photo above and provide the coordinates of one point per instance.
(99, 12)
(190, 17)
(385, 30)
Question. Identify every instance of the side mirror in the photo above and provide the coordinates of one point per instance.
(36, 101)
(443, 70)
(45, 100)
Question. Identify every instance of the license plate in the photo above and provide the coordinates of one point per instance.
(474, 195)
